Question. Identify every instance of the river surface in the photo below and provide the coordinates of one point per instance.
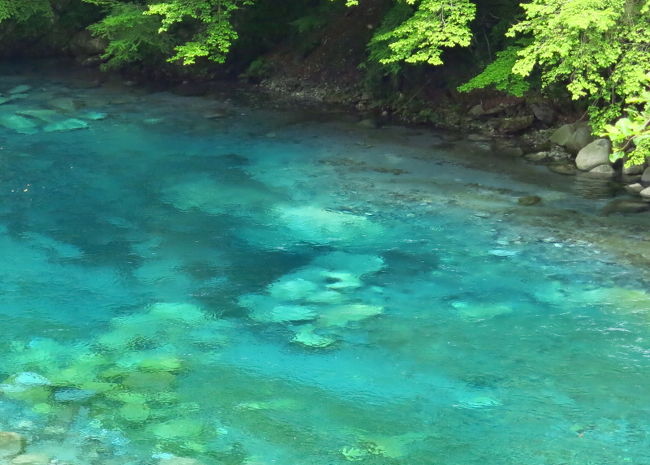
(241, 285)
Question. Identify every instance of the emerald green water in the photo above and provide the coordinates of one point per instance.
(276, 287)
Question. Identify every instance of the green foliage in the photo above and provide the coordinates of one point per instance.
(210, 22)
(499, 75)
(308, 23)
(379, 51)
(132, 36)
(179, 30)
(630, 135)
(258, 69)
(597, 48)
(23, 10)
(420, 38)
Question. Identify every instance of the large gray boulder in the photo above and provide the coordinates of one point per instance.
(580, 138)
(573, 136)
(602, 171)
(594, 154)
(562, 134)
(645, 193)
(645, 177)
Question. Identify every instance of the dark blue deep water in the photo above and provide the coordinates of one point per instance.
(239, 285)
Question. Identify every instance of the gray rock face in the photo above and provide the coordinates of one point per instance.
(543, 112)
(645, 177)
(515, 123)
(594, 154)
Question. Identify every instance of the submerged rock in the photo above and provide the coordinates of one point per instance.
(342, 315)
(31, 459)
(21, 89)
(94, 115)
(529, 200)
(319, 225)
(625, 206)
(18, 123)
(179, 461)
(306, 336)
(28, 378)
(44, 115)
(70, 124)
(11, 444)
(480, 311)
(73, 395)
(567, 169)
(62, 103)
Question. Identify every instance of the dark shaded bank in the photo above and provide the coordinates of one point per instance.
(317, 54)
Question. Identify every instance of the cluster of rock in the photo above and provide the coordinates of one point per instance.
(14, 451)
(55, 114)
(593, 157)
(515, 128)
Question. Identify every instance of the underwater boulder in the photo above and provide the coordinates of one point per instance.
(20, 89)
(69, 124)
(323, 226)
(19, 124)
(11, 444)
(306, 336)
(47, 116)
(342, 315)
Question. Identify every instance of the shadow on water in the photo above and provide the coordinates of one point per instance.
(594, 187)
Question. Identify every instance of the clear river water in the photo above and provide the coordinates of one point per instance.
(233, 283)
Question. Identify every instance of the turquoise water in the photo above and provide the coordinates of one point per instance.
(282, 287)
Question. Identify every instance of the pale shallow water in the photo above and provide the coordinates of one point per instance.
(274, 287)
